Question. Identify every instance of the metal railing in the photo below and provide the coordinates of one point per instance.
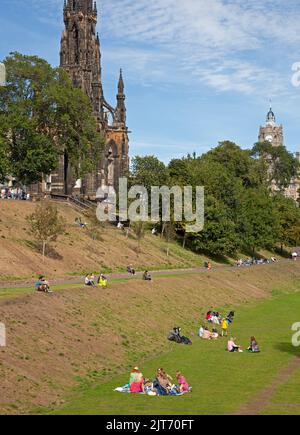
(81, 203)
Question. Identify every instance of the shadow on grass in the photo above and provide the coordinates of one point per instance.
(283, 252)
(288, 348)
(50, 251)
(253, 254)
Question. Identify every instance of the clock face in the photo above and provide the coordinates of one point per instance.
(269, 138)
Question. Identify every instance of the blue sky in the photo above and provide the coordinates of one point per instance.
(196, 71)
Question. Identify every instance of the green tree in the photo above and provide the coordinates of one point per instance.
(4, 161)
(219, 234)
(236, 161)
(148, 171)
(258, 223)
(42, 116)
(289, 221)
(139, 231)
(45, 224)
(178, 172)
(281, 165)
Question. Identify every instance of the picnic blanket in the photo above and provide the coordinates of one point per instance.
(148, 391)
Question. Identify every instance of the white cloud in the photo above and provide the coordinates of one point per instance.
(229, 45)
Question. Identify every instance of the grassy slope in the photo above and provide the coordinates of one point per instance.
(92, 335)
(221, 382)
(76, 253)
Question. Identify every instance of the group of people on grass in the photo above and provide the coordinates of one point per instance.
(255, 261)
(215, 318)
(101, 281)
(233, 347)
(15, 193)
(146, 275)
(162, 385)
(42, 285)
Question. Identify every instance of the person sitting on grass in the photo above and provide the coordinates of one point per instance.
(162, 383)
(102, 281)
(136, 381)
(42, 285)
(215, 318)
(201, 331)
(131, 270)
(174, 335)
(209, 316)
(182, 382)
(90, 280)
(147, 276)
(214, 334)
(254, 347)
(232, 347)
(81, 224)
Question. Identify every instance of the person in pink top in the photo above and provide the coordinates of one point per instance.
(232, 347)
(184, 386)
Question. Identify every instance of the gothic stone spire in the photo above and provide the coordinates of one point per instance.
(120, 114)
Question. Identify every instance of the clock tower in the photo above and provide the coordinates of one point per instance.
(271, 132)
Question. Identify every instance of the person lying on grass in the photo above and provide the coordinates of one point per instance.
(207, 335)
(254, 347)
(232, 347)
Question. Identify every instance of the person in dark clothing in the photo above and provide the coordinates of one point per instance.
(147, 276)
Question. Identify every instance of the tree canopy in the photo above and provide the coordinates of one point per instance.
(241, 210)
(43, 116)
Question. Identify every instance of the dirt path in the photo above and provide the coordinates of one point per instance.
(262, 400)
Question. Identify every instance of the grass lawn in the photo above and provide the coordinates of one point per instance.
(222, 382)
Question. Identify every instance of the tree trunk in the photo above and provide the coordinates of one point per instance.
(163, 230)
(184, 241)
(44, 249)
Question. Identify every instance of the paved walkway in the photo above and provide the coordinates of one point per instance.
(112, 276)
(80, 279)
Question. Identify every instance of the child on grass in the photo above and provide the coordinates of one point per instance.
(224, 326)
